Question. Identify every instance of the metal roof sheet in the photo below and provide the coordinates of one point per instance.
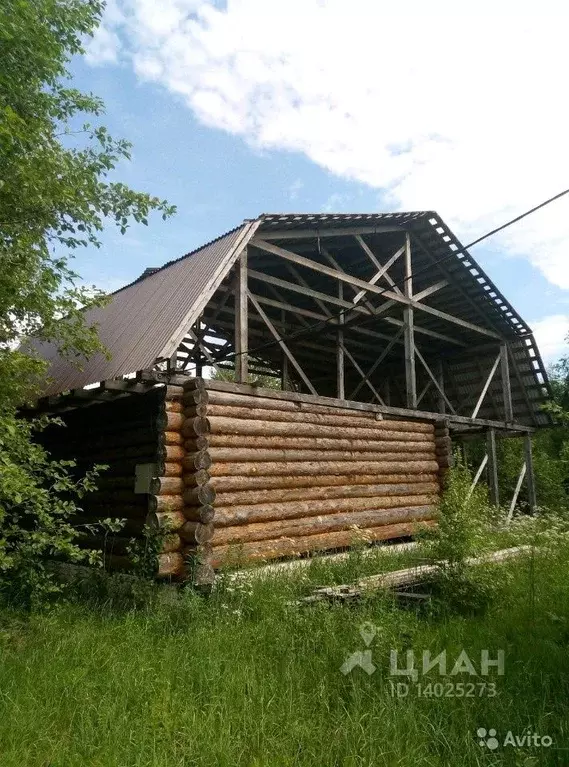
(142, 321)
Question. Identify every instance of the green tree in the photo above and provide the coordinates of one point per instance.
(56, 195)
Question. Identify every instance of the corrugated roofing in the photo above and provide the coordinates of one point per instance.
(147, 319)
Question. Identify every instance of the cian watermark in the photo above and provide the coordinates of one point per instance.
(430, 674)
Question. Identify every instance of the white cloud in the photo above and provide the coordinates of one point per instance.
(551, 336)
(442, 106)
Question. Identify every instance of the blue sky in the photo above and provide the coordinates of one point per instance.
(237, 127)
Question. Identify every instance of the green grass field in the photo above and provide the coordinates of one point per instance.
(242, 680)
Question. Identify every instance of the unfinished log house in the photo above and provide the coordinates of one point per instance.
(383, 337)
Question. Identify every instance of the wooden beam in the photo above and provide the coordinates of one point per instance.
(408, 330)
(363, 375)
(434, 380)
(477, 475)
(241, 321)
(377, 363)
(396, 412)
(425, 332)
(297, 234)
(382, 270)
(269, 279)
(532, 499)
(506, 383)
(486, 385)
(340, 372)
(431, 289)
(493, 468)
(516, 493)
(282, 344)
(441, 379)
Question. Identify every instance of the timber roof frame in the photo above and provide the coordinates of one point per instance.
(154, 322)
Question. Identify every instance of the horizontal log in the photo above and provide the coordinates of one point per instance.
(173, 438)
(239, 455)
(194, 461)
(170, 565)
(289, 406)
(230, 554)
(174, 421)
(195, 427)
(196, 444)
(339, 418)
(172, 470)
(202, 494)
(132, 526)
(174, 453)
(173, 406)
(313, 443)
(166, 503)
(245, 497)
(173, 392)
(171, 542)
(168, 520)
(108, 544)
(167, 486)
(295, 528)
(220, 425)
(197, 478)
(265, 512)
(196, 397)
(106, 482)
(142, 453)
(115, 511)
(113, 498)
(194, 382)
(197, 532)
(226, 484)
(314, 468)
(195, 410)
(204, 513)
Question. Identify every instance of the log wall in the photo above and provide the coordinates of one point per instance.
(265, 478)
(123, 435)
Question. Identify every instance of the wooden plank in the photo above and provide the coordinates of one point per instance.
(340, 368)
(297, 234)
(376, 364)
(435, 382)
(241, 323)
(516, 493)
(382, 268)
(532, 499)
(506, 383)
(282, 344)
(365, 379)
(486, 385)
(493, 468)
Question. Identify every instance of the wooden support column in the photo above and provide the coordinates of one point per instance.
(493, 468)
(340, 386)
(440, 379)
(241, 321)
(532, 499)
(284, 358)
(409, 335)
(506, 385)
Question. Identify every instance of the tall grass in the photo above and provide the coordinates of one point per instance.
(245, 679)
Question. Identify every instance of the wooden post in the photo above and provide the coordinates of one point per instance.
(409, 335)
(532, 499)
(284, 358)
(386, 391)
(241, 321)
(440, 380)
(340, 387)
(493, 468)
(198, 357)
(506, 385)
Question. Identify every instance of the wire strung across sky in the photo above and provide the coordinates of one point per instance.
(334, 317)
